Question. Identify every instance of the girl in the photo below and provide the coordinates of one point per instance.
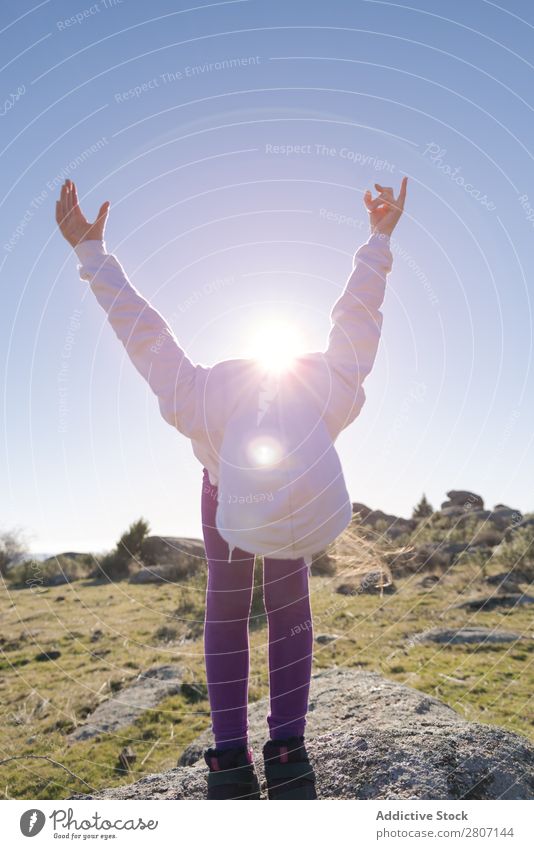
(272, 483)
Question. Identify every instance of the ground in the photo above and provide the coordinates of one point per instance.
(107, 634)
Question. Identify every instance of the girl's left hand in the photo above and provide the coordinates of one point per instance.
(385, 210)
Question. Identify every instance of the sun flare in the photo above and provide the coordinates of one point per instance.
(275, 344)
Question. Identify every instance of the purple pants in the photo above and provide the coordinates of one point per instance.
(226, 641)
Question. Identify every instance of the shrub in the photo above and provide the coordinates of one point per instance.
(12, 547)
(423, 509)
(116, 564)
(51, 572)
(517, 553)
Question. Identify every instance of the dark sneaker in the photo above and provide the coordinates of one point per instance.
(288, 770)
(232, 774)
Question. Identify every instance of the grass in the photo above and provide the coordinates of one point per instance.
(107, 634)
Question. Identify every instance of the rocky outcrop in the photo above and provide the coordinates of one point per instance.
(371, 738)
(158, 549)
(394, 525)
(464, 499)
(169, 559)
(124, 707)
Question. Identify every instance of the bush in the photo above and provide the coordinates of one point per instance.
(517, 553)
(12, 547)
(117, 564)
(51, 572)
(190, 610)
(423, 509)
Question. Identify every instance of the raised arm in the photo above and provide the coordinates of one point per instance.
(147, 339)
(356, 316)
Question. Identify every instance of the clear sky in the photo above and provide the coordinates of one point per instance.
(235, 141)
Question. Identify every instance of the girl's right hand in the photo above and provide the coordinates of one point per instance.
(72, 222)
(385, 210)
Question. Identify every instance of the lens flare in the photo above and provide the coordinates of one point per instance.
(265, 451)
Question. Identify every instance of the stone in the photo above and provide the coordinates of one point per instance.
(372, 738)
(455, 636)
(498, 600)
(465, 499)
(123, 708)
(164, 573)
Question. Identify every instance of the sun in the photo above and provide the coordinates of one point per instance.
(275, 344)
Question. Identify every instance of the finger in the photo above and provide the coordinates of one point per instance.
(68, 199)
(371, 204)
(402, 193)
(71, 195)
(103, 213)
(386, 194)
(384, 190)
(63, 200)
(368, 199)
(74, 194)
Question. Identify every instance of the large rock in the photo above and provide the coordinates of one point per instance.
(465, 499)
(172, 550)
(124, 707)
(169, 559)
(478, 635)
(370, 738)
(492, 602)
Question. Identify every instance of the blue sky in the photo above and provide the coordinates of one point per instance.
(235, 141)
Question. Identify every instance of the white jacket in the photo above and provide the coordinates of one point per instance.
(199, 400)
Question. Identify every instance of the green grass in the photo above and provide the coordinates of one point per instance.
(146, 625)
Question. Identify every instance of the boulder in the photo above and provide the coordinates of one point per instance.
(187, 553)
(376, 581)
(487, 603)
(124, 707)
(465, 499)
(371, 738)
(363, 510)
(161, 573)
(506, 582)
(479, 635)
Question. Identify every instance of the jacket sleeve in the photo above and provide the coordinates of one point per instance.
(356, 324)
(148, 340)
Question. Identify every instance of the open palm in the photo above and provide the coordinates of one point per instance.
(72, 222)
